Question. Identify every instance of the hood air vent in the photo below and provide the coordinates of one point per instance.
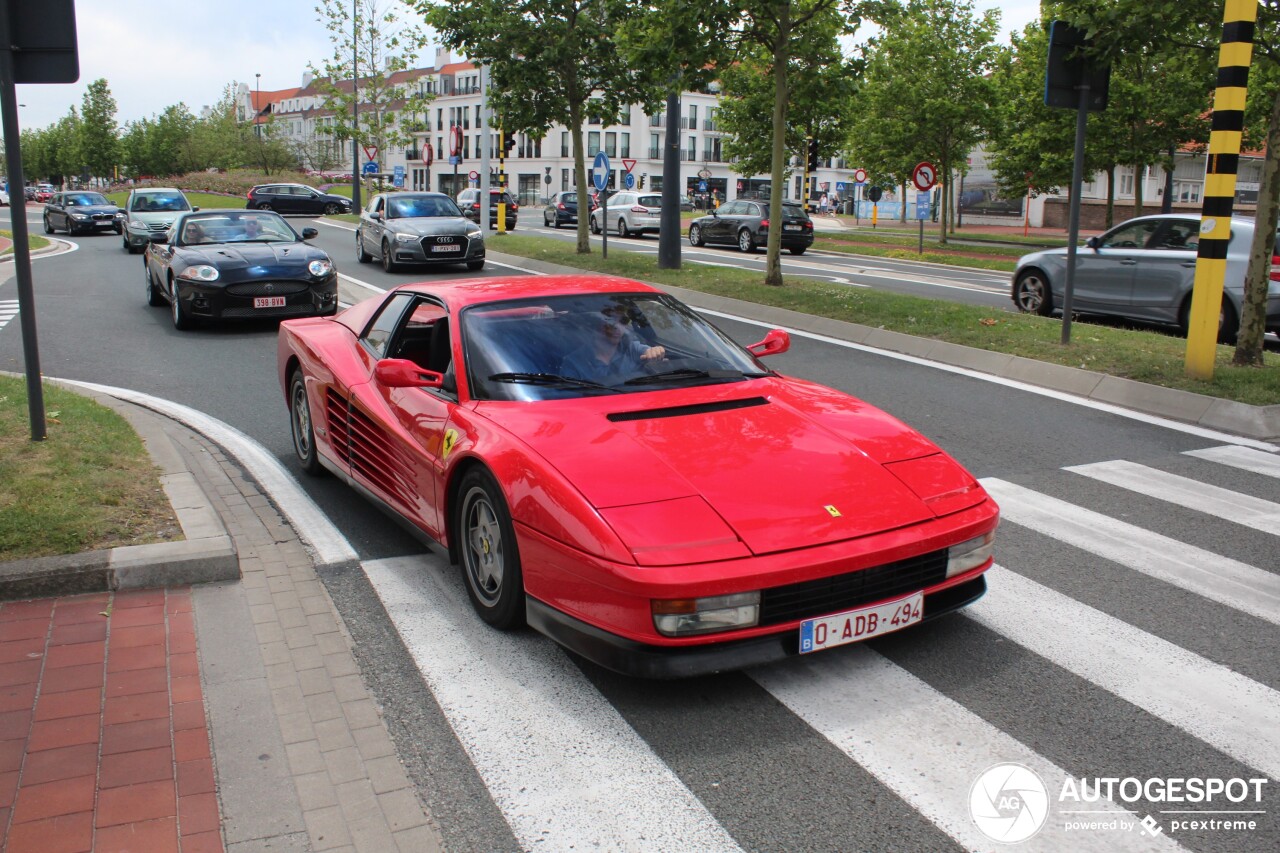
(681, 411)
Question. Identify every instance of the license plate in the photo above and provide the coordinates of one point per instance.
(790, 227)
(853, 626)
(451, 248)
(268, 302)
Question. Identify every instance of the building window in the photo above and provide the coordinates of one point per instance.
(593, 143)
(440, 119)
(1186, 192)
(626, 145)
(564, 179)
(655, 147)
(1126, 184)
(564, 143)
(693, 117)
(611, 144)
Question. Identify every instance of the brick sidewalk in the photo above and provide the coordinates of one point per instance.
(103, 739)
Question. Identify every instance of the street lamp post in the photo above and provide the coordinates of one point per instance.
(257, 103)
(355, 105)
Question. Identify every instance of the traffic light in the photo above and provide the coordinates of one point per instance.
(643, 175)
(508, 142)
(813, 155)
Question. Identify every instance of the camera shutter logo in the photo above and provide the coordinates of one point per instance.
(1009, 803)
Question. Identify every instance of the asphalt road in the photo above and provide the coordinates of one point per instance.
(1111, 643)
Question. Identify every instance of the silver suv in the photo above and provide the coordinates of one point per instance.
(631, 214)
(149, 213)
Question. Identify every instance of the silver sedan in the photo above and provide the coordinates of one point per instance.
(417, 228)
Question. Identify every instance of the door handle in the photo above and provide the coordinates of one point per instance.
(1189, 264)
(1128, 262)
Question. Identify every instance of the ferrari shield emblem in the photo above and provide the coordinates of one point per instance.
(450, 439)
(835, 513)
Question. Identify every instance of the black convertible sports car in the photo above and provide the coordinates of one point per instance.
(239, 264)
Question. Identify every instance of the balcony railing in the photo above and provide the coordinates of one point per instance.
(658, 121)
(655, 153)
(708, 124)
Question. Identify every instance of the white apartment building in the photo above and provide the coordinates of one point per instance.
(535, 167)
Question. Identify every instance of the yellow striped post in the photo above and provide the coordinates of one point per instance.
(1234, 56)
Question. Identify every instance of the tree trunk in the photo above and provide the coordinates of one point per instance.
(1111, 195)
(1137, 190)
(1166, 203)
(945, 174)
(902, 215)
(773, 261)
(1253, 316)
(580, 176)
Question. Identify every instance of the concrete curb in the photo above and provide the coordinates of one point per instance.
(1257, 422)
(207, 553)
(55, 246)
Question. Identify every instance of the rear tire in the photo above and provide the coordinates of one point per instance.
(264, 206)
(797, 250)
(746, 242)
(1031, 294)
(487, 551)
(595, 227)
(304, 436)
(1228, 322)
(623, 230)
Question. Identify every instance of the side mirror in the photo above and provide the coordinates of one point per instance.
(774, 343)
(376, 216)
(1092, 243)
(194, 209)
(309, 233)
(402, 373)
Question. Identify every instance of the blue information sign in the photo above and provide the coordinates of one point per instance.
(629, 181)
(397, 176)
(370, 168)
(600, 171)
(839, 186)
(702, 186)
(922, 205)
(454, 159)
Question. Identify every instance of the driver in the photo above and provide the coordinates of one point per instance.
(612, 352)
(252, 229)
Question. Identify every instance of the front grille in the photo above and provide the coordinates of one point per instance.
(429, 242)
(267, 288)
(844, 592)
(289, 310)
(159, 226)
(104, 217)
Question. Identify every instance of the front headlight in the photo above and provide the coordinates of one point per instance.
(320, 268)
(200, 272)
(406, 238)
(79, 216)
(683, 617)
(969, 555)
(137, 223)
(474, 234)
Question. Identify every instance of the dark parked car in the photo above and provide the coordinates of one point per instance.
(418, 228)
(745, 224)
(1143, 269)
(76, 212)
(296, 198)
(238, 264)
(562, 209)
(469, 201)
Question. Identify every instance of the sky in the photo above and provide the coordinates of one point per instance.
(156, 54)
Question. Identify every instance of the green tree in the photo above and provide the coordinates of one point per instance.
(822, 82)
(99, 145)
(64, 141)
(1194, 29)
(927, 93)
(369, 42)
(551, 62)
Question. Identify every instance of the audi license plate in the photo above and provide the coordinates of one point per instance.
(790, 227)
(855, 625)
(268, 302)
(449, 248)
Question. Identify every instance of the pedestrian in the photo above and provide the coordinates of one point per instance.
(823, 204)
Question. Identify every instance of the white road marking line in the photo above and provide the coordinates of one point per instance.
(1224, 580)
(1206, 700)
(564, 767)
(1240, 457)
(1212, 500)
(924, 746)
(308, 521)
(1142, 417)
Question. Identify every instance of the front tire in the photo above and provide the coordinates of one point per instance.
(48, 226)
(1031, 294)
(746, 242)
(331, 209)
(488, 553)
(475, 265)
(304, 436)
(361, 255)
(623, 230)
(154, 299)
(695, 236)
(181, 319)
(388, 262)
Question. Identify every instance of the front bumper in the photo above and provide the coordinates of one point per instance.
(424, 251)
(86, 225)
(235, 301)
(142, 236)
(641, 660)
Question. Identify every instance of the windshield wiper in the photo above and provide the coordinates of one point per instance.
(548, 379)
(691, 373)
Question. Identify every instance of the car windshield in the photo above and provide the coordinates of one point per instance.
(248, 227)
(153, 202)
(416, 206)
(789, 211)
(593, 344)
(85, 199)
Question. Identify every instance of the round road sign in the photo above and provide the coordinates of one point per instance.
(924, 176)
(474, 175)
(859, 176)
(704, 173)
(427, 153)
(600, 171)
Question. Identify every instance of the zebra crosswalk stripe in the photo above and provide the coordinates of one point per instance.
(1203, 698)
(565, 771)
(875, 712)
(1221, 579)
(1184, 491)
(1244, 458)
